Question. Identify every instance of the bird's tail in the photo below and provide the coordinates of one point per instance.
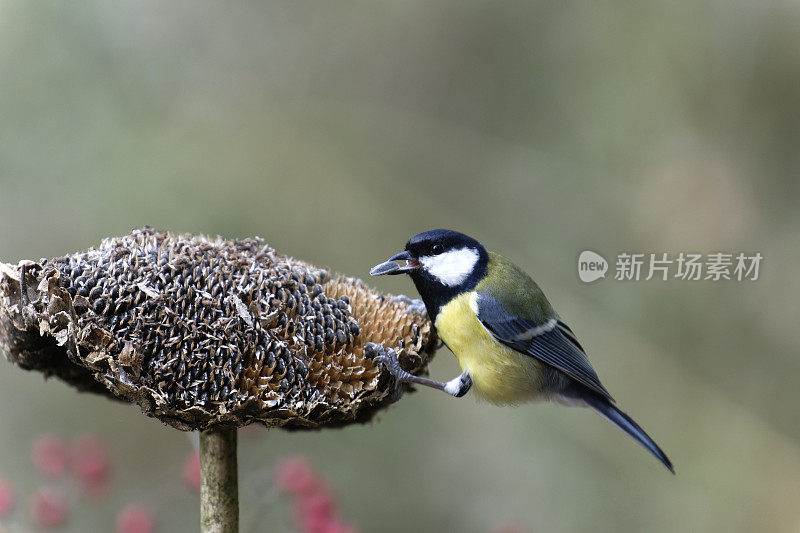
(626, 424)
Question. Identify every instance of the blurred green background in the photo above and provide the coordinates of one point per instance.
(336, 130)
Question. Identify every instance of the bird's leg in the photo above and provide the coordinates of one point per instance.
(458, 386)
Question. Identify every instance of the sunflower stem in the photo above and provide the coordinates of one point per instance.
(219, 491)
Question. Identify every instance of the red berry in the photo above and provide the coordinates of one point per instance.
(7, 499)
(50, 455)
(48, 508)
(91, 466)
(296, 476)
(135, 519)
(191, 471)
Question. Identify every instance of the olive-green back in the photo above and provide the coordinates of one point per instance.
(515, 290)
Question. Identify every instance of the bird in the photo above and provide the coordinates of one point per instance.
(512, 346)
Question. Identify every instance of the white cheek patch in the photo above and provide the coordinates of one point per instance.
(453, 267)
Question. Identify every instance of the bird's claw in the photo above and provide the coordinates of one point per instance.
(414, 304)
(388, 358)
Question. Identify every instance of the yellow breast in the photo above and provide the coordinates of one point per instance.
(499, 374)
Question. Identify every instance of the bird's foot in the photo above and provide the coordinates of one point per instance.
(387, 357)
(414, 304)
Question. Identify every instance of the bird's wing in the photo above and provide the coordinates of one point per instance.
(548, 339)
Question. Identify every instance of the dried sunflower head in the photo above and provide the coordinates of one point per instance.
(202, 332)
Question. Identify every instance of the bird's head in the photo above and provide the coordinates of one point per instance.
(442, 263)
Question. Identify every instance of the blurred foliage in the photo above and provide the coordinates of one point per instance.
(337, 130)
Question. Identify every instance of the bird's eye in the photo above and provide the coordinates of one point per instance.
(437, 249)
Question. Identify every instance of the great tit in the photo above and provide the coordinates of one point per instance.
(510, 343)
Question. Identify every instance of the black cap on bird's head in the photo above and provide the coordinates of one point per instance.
(442, 263)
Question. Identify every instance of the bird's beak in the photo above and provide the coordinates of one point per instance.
(391, 267)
